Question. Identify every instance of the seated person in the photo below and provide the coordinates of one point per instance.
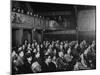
(36, 68)
(48, 65)
(61, 65)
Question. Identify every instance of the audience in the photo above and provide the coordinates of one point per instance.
(52, 56)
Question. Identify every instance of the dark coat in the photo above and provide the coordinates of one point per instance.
(51, 67)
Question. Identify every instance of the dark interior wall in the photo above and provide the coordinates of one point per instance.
(86, 20)
(20, 35)
(27, 35)
(37, 35)
(86, 25)
(13, 37)
(17, 35)
(87, 35)
(62, 37)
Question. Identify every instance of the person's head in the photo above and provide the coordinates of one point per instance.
(56, 45)
(35, 43)
(44, 42)
(13, 53)
(34, 51)
(32, 45)
(23, 47)
(65, 45)
(48, 51)
(50, 46)
(37, 55)
(55, 51)
(21, 53)
(52, 42)
(65, 55)
(54, 58)
(61, 46)
(93, 42)
(20, 48)
(36, 67)
(57, 41)
(76, 45)
(48, 59)
(38, 48)
(41, 45)
(61, 54)
(69, 51)
(25, 42)
(28, 51)
(29, 45)
(61, 43)
(29, 58)
(84, 42)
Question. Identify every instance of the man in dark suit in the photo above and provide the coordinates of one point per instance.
(48, 66)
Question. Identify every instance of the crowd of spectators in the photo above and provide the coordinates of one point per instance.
(53, 56)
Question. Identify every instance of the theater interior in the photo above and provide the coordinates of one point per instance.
(40, 29)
